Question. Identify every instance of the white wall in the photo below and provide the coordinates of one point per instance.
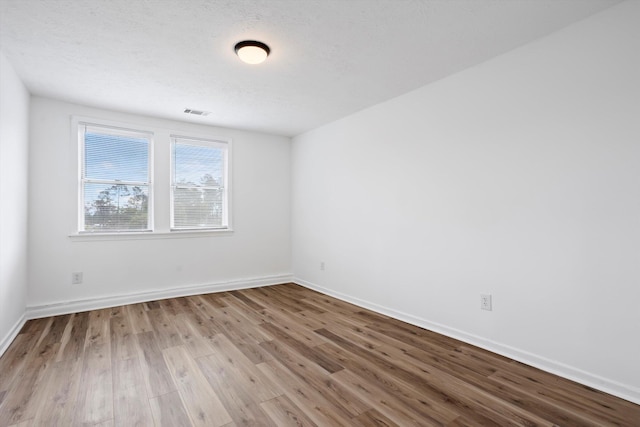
(258, 251)
(14, 145)
(519, 177)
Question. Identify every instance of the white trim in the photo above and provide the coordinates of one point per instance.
(13, 333)
(147, 235)
(623, 391)
(76, 306)
(81, 125)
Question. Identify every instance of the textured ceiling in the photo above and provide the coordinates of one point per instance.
(329, 58)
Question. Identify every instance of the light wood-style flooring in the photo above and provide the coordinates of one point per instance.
(274, 356)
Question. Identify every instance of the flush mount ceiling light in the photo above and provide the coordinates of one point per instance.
(252, 52)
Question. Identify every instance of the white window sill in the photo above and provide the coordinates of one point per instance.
(147, 235)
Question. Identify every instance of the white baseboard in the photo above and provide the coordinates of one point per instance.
(624, 391)
(13, 333)
(76, 306)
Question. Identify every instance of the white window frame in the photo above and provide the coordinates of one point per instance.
(225, 145)
(81, 126)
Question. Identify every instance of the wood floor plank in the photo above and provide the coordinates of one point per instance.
(201, 323)
(360, 335)
(315, 406)
(385, 400)
(36, 325)
(462, 422)
(228, 358)
(192, 339)
(588, 411)
(56, 331)
(280, 355)
(95, 404)
(311, 320)
(13, 361)
(235, 328)
(570, 392)
(252, 351)
(323, 304)
(477, 369)
(481, 379)
(430, 409)
(155, 372)
(184, 303)
(130, 401)
(171, 306)
(214, 299)
(409, 337)
(138, 318)
(255, 316)
(168, 410)
(72, 341)
(264, 297)
(151, 305)
(235, 396)
(233, 322)
(98, 327)
(23, 399)
(300, 302)
(373, 418)
(285, 413)
(317, 379)
(201, 402)
(246, 299)
(304, 350)
(293, 327)
(123, 340)
(478, 372)
(450, 390)
(119, 310)
(95, 395)
(58, 401)
(293, 303)
(166, 333)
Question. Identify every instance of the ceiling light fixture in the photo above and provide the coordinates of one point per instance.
(252, 52)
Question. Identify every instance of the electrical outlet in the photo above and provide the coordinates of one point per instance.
(76, 278)
(485, 302)
(322, 265)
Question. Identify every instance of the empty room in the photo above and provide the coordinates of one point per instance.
(319, 212)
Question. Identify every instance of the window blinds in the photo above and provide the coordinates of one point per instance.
(115, 179)
(198, 191)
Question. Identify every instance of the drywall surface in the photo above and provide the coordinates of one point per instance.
(257, 251)
(519, 178)
(14, 146)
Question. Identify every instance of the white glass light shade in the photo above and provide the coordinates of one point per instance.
(252, 52)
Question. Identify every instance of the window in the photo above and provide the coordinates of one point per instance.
(199, 176)
(115, 187)
(147, 183)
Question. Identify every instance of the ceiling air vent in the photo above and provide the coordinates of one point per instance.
(197, 112)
